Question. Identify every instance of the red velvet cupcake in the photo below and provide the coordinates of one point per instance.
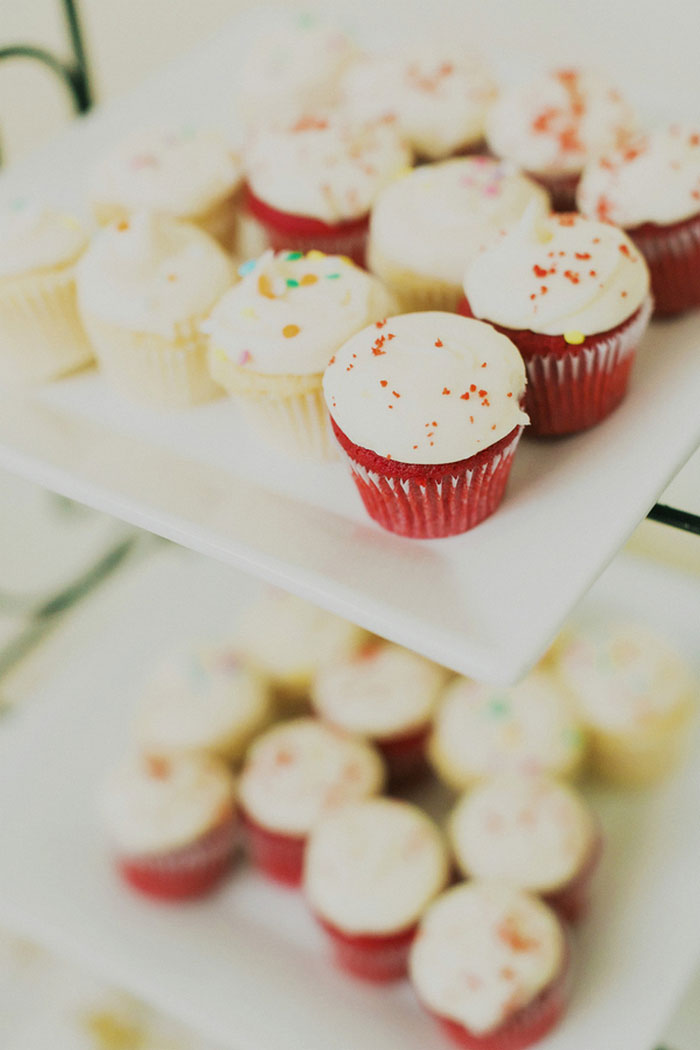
(426, 407)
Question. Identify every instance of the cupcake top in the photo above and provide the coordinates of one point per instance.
(437, 93)
(435, 219)
(426, 387)
(564, 275)
(291, 311)
(199, 699)
(484, 951)
(180, 171)
(530, 831)
(154, 805)
(325, 167)
(481, 731)
(558, 121)
(380, 691)
(300, 769)
(34, 237)
(655, 178)
(374, 866)
(624, 676)
(151, 273)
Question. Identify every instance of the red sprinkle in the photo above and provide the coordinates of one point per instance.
(572, 276)
(438, 342)
(395, 393)
(464, 396)
(582, 255)
(539, 271)
(446, 390)
(383, 382)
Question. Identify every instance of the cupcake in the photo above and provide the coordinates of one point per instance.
(635, 695)
(293, 774)
(427, 409)
(41, 334)
(172, 823)
(273, 334)
(532, 832)
(576, 307)
(651, 188)
(188, 173)
(202, 699)
(553, 125)
(312, 184)
(429, 225)
(144, 286)
(491, 962)
(371, 870)
(386, 694)
(481, 732)
(288, 640)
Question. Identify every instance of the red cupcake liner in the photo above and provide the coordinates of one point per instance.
(285, 231)
(432, 500)
(571, 901)
(561, 189)
(188, 872)
(673, 257)
(378, 958)
(278, 856)
(405, 755)
(573, 387)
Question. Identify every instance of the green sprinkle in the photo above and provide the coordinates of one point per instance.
(332, 276)
(18, 204)
(295, 255)
(291, 283)
(306, 19)
(498, 707)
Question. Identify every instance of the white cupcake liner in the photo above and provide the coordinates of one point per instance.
(296, 424)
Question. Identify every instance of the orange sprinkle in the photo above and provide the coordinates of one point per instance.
(446, 390)
(438, 342)
(383, 382)
(265, 288)
(290, 330)
(309, 278)
(395, 393)
(123, 225)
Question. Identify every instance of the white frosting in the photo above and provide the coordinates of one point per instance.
(624, 676)
(655, 178)
(180, 171)
(154, 805)
(529, 728)
(558, 275)
(530, 831)
(373, 867)
(33, 237)
(398, 388)
(455, 209)
(291, 311)
(382, 691)
(301, 769)
(557, 122)
(152, 273)
(484, 951)
(325, 168)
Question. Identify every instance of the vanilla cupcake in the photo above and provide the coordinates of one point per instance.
(41, 334)
(371, 870)
(144, 287)
(635, 694)
(481, 731)
(273, 334)
(293, 774)
(188, 173)
(429, 225)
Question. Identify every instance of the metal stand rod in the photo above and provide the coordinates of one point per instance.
(679, 519)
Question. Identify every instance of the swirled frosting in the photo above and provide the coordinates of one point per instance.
(325, 168)
(655, 178)
(455, 208)
(152, 273)
(426, 387)
(558, 121)
(34, 237)
(564, 274)
(291, 311)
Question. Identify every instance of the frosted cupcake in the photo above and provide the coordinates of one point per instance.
(635, 694)
(202, 699)
(532, 832)
(144, 287)
(188, 173)
(553, 125)
(481, 732)
(371, 870)
(491, 964)
(651, 188)
(426, 407)
(172, 823)
(273, 334)
(578, 304)
(429, 225)
(312, 184)
(293, 774)
(41, 334)
(387, 694)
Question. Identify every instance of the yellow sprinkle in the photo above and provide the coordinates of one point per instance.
(110, 1032)
(219, 354)
(403, 172)
(346, 259)
(265, 287)
(315, 254)
(308, 278)
(574, 337)
(248, 311)
(68, 222)
(290, 330)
